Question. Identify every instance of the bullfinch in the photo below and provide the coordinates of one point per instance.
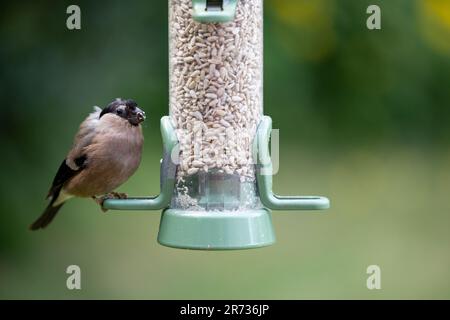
(106, 151)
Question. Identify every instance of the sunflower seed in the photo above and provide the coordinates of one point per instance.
(215, 88)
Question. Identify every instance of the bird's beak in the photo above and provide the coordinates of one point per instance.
(137, 117)
(140, 115)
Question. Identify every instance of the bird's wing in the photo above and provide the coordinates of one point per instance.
(83, 138)
(75, 160)
(64, 174)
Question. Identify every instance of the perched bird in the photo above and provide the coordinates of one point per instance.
(105, 153)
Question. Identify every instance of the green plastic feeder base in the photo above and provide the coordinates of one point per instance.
(216, 230)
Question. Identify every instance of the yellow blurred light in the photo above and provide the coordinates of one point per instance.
(435, 23)
(298, 12)
(440, 9)
(304, 27)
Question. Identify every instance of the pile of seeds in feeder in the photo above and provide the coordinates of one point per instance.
(215, 88)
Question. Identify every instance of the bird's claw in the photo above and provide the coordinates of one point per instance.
(112, 195)
(117, 195)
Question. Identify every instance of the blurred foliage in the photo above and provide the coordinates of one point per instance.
(358, 86)
(363, 116)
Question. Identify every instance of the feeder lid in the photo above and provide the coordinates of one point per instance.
(213, 10)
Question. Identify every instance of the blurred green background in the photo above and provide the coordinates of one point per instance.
(364, 119)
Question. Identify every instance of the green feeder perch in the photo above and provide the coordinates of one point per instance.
(216, 171)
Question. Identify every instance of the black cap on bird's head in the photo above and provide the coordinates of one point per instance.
(126, 109)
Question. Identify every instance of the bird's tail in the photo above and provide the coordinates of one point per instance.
(58, 198)
(47, 217)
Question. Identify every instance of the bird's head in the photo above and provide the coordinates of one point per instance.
(126, 109)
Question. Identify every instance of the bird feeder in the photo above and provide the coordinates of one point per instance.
(216, 170)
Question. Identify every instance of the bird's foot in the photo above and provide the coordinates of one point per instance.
(112, 195)
(99, 201)
(118, 195)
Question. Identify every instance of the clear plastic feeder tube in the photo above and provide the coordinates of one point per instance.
(215, 83)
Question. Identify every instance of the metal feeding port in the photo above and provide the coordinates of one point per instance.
(212, 11)
(216, 170)
(214, 5)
